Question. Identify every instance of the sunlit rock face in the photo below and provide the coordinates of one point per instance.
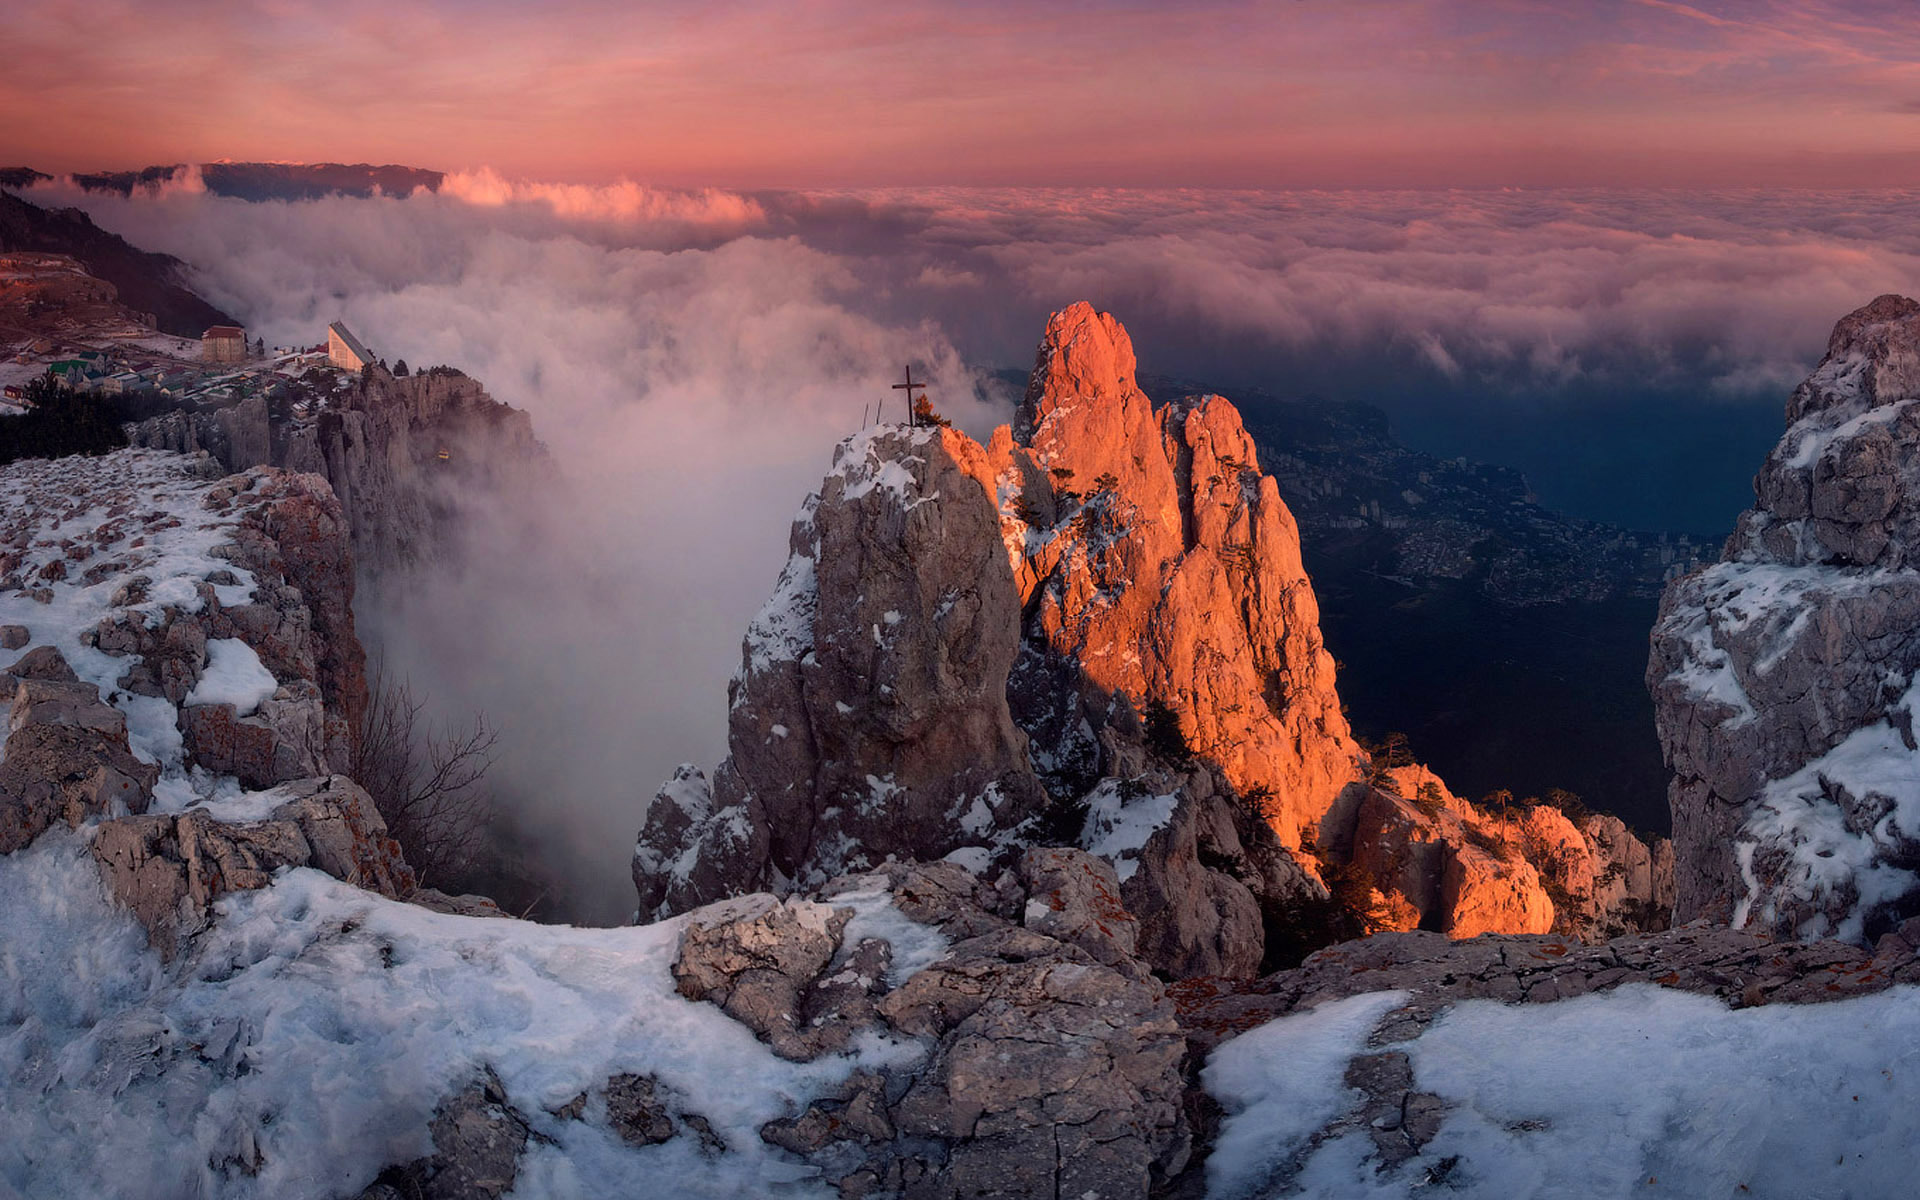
(1153, 555)
(1095, 631)
(1783, 676)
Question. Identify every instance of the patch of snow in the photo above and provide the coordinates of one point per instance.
(782, 631)
(1280, 1083)
(316, 1027)
(1118, 828)
(915, 946)
(106, 504)
(1812, 437)
(864, 466)
(978, 818)
(1827, 854)
(1640, 1091)
(234, 675)
(976, 859)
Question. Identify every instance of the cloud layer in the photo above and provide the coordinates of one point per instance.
(691, 357)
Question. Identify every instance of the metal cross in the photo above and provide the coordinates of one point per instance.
(909, 385)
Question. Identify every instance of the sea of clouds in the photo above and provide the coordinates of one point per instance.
(691, 358)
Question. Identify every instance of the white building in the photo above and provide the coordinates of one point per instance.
(344, 350)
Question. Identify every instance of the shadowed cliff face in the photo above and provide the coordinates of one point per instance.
(419, 462)
(1783, 676)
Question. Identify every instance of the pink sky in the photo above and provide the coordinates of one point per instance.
(826, 93)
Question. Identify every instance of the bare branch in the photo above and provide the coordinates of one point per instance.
(427, 785)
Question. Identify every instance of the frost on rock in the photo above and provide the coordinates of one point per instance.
(189, 602)
(1828, 848)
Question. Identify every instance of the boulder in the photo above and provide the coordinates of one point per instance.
(288, 737)
(168, 869)
(66, 756)
(1053, 1067)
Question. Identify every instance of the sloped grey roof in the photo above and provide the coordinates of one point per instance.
(353, 343)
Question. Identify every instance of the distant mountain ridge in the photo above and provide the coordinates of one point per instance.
(147, 282)
(253, 180)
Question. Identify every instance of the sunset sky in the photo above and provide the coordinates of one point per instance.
(1314, 93)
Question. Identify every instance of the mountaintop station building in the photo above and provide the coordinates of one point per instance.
(344, 350)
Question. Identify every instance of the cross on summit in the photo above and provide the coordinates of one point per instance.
(909, 385)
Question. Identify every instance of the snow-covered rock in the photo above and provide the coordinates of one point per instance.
(1783, 676)
(869, 717)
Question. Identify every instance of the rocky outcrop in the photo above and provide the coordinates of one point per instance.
(66, 756)
(1053, 1062)
(168, 869)
(1096, 631)
(1421, 857)
(288, 533)
(1742, 968)
(478, 1138)
(1783, 676)
(411, 458)
(1157, 565)
(869, 718)
(217, 616)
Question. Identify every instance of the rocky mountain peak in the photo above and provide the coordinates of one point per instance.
(1782, 676)
(1097, 633)
(1873, 358)
(1085, 356)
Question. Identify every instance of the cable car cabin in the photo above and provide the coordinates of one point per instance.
(444, 454)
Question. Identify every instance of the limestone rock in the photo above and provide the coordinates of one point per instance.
(1742, 968)
(168, 869)
(66, 756)
(756, 958)
(1054, 1067)
(457, 906)
(379, 448)
(973, 651)
(869, 717)
(288, 737)
(478, 1139)
(1157, 563)
(1782, 676)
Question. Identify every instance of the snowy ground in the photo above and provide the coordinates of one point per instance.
(132, 512)
(307, 1041)
(1636, 1092)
